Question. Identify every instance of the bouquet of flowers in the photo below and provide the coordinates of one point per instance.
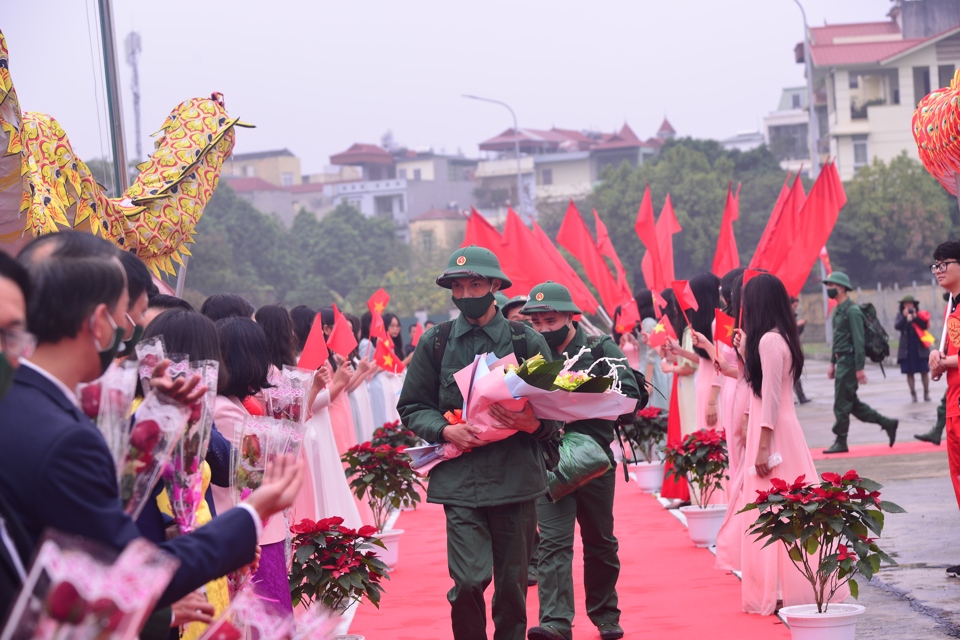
(251, 615)
(150, 353)
(647, 432)
(107, 402)
(157, 427)
(701, 458)
(334, 565)
(287, 400)
(183, 475)
(383, 474)
(395, 435)
(258, 441)
(77, 589)
(824, 527)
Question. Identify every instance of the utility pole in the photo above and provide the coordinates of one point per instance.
(133, 48)
(114, 108)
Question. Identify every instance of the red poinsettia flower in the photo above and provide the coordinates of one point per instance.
(832, 478)
(851, 476)
(779, 485)
(845, 554)
(367, 531)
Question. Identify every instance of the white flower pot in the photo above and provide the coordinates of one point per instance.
(390, 555)
(703, 524)
(649, 475)
(838, 622)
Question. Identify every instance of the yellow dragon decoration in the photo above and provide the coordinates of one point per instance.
(45, 187)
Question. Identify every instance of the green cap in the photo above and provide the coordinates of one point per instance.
(510, 304)
(472, 262)
(501, 299)
(550, 296)
(909, 298)
(840, 278)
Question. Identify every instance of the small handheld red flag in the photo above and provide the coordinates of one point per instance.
(417, 332)
(724, 328)
(341, 339)
(659, 304)
(377, 328)
(661, 332)
(386, 359)
(315, 351)
(378, 301)
(685, 296)
(629, 316)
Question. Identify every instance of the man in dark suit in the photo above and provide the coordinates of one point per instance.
(55, 468)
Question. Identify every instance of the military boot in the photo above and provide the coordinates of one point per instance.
(839, 446)
(933, 436)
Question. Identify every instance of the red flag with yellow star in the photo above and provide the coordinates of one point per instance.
(628, 317)
(661, 332)
(724, 328)
(377, 328)
(417, 332)
(386, 359)
(378, 301)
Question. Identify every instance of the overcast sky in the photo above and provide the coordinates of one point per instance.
(316, 76)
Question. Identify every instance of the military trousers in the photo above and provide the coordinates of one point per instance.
(846, 402)
(942, 418)
(487, 543)
(592, 507)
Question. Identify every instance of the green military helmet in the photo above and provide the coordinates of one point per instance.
(472, 262)
(501, 299)
(513, 302)
(840, 278)
(550, 296)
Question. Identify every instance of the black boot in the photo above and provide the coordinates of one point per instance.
(933, 436)
(839, 446)
(891, 428)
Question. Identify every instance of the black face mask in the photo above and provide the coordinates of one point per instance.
(110, 352)
(474, 308)
(556, 337)
(128, 345)
(833, 293)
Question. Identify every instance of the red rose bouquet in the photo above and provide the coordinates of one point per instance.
(702, 459)
(251, 615)
(287, 400)
(157, 427)
(108, 401)
(183, 475)
(385, 476)
(77, 589)
(825, 527)
(150, 353)
(258, 441)
(334, 565)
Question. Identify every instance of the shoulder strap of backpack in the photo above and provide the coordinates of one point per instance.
(440, 339)
(518, 332)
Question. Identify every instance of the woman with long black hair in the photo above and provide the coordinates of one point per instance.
(682, 370)
(776, 447)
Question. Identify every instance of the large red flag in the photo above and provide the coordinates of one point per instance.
(341, 338)
(647, 232)
(315, 351)
(575, 238)
(606, 248)
(378, 301)
(780, 249)
(819, 215)
(727, 257)
(667, 227)
(760, 255)
(519, 243)
(483, 234)
(564, 273)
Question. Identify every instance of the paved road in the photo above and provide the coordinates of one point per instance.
(914, 599)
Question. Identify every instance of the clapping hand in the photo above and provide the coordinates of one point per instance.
(184, 390)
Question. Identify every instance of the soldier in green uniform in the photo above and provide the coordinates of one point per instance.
(846, 366)
(489, 493)
(551, 309)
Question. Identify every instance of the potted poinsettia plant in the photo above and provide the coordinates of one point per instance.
(825, 528)
(645, 435)
(702, 459)
(335, 565)
(383, 476)
(395, 435)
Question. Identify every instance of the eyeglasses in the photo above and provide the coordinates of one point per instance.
(940, 267)
(17, 343)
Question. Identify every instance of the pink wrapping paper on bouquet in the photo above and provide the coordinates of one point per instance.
(78, 589)
(482, 384)
(150, 353)
(287, 400)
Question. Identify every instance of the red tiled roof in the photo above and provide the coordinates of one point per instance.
(859, 53)
(666, 127)
(872, 44)
(242, 185)
(362, 154)
(440, 214)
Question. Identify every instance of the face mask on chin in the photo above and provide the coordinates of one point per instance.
(475, 308)
(107, 355)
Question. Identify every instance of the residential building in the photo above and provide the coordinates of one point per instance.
(743, 141)
(279, 167)
(265, 197)
(869, 77)
(437, 231)
(786, 130)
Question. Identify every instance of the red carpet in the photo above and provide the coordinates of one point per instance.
(668, 588)
(880, 449)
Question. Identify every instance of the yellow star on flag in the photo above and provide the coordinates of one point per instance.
(388, 360)
(379, 306)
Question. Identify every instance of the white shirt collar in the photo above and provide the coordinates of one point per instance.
(69, 393)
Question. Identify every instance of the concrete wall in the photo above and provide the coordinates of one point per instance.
(277, 203)
(928, 18)
(425, 166)
(438, 194)
(269, 169)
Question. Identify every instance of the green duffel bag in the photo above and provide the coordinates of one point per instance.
(581, 460)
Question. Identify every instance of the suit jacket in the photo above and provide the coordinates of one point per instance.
(57, 472)
(9, 578)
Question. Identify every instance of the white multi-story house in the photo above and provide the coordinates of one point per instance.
(868, 78)
(786, 131)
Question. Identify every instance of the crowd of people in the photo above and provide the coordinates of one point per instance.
(71, 304)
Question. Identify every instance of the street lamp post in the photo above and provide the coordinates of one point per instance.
(516, 150)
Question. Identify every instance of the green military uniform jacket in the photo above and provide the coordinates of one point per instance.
(600, 430)
(848, 335)
(504, 472)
